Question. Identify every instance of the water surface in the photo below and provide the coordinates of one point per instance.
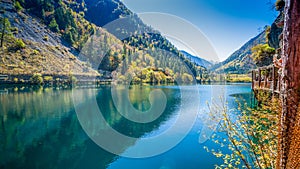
(39, 128)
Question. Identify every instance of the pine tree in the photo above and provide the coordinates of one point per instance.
(5, 29)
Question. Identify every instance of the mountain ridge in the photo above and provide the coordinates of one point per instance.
(240, 61)
(197, 60)
(65, 38)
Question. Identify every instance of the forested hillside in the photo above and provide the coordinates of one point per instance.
(143, 53)
(240, 61)
(197, 60)
(28, 47)
(258, 51)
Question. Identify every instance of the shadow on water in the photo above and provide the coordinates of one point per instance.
(39, 127)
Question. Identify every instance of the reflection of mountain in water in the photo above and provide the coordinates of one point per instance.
(40, 129)
(139, 99)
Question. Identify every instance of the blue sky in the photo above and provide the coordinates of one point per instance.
(228, 24)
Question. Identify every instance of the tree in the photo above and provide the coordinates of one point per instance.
(279, 5)
(37, 79)
(250, 133)
(53, 25)
(18, 6)
(262, 54)
(289, 147)
(19, 44)
(68, 36)
(5, 29)
(64, 18)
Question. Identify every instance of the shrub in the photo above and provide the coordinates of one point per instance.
(53, 25)
(68, 36)
(262, 54)
(279, 5)
(19, 44)
(46, 38)
(18, 6)
(37, 79)
(36, 52)
(251, 134)
(14, 30)
(72, 79)
(187, 78)
(48, 78)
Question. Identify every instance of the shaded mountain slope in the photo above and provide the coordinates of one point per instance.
(240, 61)
(198, 61)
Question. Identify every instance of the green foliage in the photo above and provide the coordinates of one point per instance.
(238, 78)
(148, 52)
(38, 7)
(68, 36)
(14, 30)
(48, 78)
(251, 135)
(53, 25)
(279, 5)
(5, 29)
(37, 79)
(18, 6)
(187, 78)
(16, 80)
(262, 54)
(74, 28)
(268, 31)
(46, 38)
(72, 79)
(19, 44)
(64, 18)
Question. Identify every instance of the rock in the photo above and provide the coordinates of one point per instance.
(275, 32)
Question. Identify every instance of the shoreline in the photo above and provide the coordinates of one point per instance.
(83, 79)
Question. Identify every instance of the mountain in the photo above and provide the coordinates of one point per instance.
(101, 12)
(71, 38)
(240, 61)
(197, 60)
(276, 29)
(155, 53)
(29, 47)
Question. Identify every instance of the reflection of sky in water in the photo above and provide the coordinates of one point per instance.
(189, 153)
(40, 128)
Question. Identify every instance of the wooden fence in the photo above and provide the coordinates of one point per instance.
(266, 78)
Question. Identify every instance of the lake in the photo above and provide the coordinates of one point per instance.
(66, 128)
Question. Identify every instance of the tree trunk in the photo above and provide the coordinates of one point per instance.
(289, 139)
(3, 32)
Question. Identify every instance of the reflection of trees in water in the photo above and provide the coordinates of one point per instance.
(27, 119)
(39, 129)
(139, 98)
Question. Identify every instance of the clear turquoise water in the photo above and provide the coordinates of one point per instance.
(39, 128)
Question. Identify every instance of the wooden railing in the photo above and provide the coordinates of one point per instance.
(266, 78)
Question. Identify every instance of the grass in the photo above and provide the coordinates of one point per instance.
(238, 78)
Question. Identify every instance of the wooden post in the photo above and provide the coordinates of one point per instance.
(266, 77)
(273, 79)
(253, 79)
(259, 77)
